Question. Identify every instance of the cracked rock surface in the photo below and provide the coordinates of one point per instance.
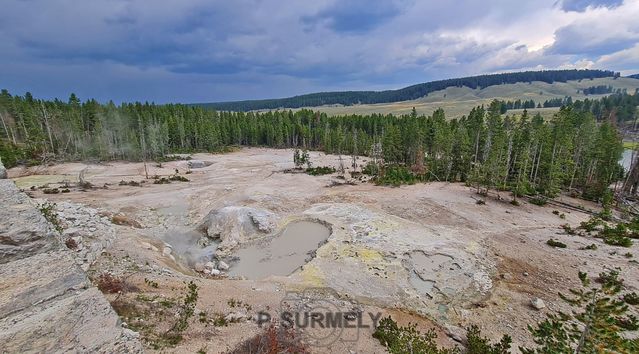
(47, 303)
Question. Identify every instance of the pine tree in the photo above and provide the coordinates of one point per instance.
(595, 326)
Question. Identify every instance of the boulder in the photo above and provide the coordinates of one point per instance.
(221, 265)
(199, 164)
(458, 334)
(235, 317)
(537, 303)
(199, 267)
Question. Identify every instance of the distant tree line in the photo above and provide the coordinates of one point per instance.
(410, 92)
(621, 106)
(634, 76)
(519, 153)
(558, 102)
(517, 104)
(597, 90)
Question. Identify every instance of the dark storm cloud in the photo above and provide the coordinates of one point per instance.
(357, 15)
(200, 50)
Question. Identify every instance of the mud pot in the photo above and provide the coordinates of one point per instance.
(284, 254)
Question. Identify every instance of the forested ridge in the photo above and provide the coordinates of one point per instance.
(410, 92)
(576, 149)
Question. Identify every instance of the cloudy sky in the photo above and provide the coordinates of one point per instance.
(214, 50)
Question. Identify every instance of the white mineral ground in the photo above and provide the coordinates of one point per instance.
(425, 253)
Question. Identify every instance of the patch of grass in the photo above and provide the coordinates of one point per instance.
(556, 244)
(150, 318)
(628, 255)
(234, 303)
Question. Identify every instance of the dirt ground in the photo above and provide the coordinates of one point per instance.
(426, 253)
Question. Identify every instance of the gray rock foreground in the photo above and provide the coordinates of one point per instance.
(47, 304)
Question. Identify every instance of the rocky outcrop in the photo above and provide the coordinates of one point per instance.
(86, 233)
(47, 303)
(234, 225)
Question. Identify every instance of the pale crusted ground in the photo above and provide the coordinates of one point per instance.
(486, 261)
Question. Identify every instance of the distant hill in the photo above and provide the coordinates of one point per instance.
(635, 76)
(413, 92)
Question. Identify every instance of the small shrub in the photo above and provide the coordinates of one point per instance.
(130, 183)
(617, 240)
(396, 175)
(629, 323)
(514, 202)
(65, 190)
(162, 180)
(480, 202)
(591, 224)
(71, 244)
(219, 320)
(568, 229)
(50, 191)
(48, 211)
(538, 200)
(273, 339)
(178, 178)
(203, 318)
(109, 284)
(610, 280)
(631, 298)
(591, 247)
(628, 255)
(556, 212)
(400, 340)
(150, 283)
(371, 169)
(320, 170)
(555, 244)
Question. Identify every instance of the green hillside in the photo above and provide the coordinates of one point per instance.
(349, 98)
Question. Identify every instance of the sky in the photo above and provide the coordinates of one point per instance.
(217, 50)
